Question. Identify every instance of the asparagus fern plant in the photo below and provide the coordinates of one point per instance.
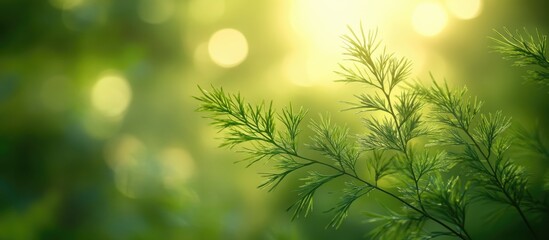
(421, 152)
(526, 51)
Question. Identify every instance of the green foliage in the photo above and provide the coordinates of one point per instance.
(483, 147)
(394, 225)
(256, 124)
(419, 151)
(525, 50)
(331, 141)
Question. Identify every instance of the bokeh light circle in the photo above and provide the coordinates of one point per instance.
(111, 95)
(228, 47)
(429, 18)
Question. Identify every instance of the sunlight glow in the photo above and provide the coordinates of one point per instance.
(429, 18)
(228, 47)
(111, 95)
(323, 17)
(318, 26)
(320, 23)
(464, 9)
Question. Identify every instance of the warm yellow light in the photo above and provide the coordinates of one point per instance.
(155, 11)
(464, 9)
(228, 47)
(324, 17)
(111, 95)
(429, 18)
(320, 24)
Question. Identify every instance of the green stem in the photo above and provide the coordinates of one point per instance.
(404, 147)
(513, 201)
(464, 235)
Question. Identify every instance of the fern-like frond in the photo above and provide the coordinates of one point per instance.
(484, 148)
(304, 204)
(285, 166)
(395, 225)
(525, 49)
(489, 128)
(417, 166)
(291, 121)
(351, 193)
(383, 135)
(448, 200)
(370, 102)
(256, 125)
(243, 121)
(380, 165)
(333, 142)
(451, 107)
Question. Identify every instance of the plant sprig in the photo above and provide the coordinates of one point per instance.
(387, 148)
(484, 146)
(526, 50)
(397, 142)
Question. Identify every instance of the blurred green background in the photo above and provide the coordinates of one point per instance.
(98, 134)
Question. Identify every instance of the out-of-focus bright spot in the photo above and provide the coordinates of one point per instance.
(155, 11)
(206, 11)
(429, 18)
(122, 157)
(111, 95)
(228, 47)
(177, 167)
(54, 94)
(66, 4)
(464, 9)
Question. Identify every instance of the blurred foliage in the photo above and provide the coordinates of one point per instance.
(68, 171)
